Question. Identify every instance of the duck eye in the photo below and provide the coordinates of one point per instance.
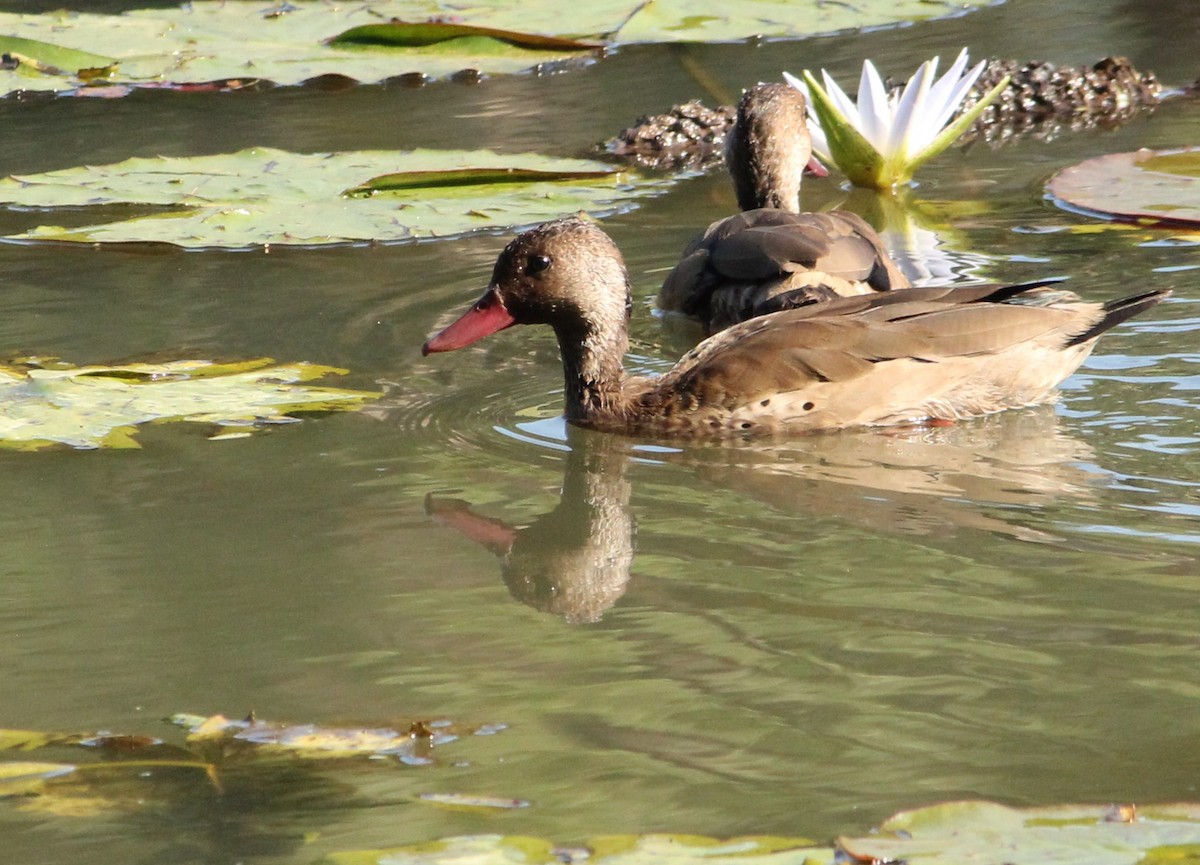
(536, 264)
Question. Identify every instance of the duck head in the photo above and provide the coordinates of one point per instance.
(567, 274)
(770, 147)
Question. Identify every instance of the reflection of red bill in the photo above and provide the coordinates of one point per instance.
(486, 317)
(455, 513)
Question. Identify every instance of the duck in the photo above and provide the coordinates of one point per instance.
(772, 256)
(919, 356)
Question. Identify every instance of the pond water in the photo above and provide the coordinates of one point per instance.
(796, 639)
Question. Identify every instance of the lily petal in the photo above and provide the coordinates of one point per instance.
(951, 89)
(960, 125)
(873, 107)
(839, 98)
(907, 135)
(940, 90)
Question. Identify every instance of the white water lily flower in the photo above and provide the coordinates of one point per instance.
(880, 141)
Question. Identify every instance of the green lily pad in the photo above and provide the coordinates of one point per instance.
(985, 833)
(981, 833)
(289, 43)
(612, 850)
(99, 406)
(263, 196)
(1145, 186)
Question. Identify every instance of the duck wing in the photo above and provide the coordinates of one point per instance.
(948, 352)
(763, 261)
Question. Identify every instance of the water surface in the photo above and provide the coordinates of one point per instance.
(793, 639)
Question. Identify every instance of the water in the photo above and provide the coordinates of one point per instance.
(794, 639)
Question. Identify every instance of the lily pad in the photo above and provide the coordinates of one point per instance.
(612, 850)
(262, 196)
(981, 833)
(1145, 186)
(985, 833)
(100, 406)
(289, 43)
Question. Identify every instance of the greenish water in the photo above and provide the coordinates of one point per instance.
(794, 639)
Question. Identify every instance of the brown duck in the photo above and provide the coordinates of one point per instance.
(772, 256)
(910, 356)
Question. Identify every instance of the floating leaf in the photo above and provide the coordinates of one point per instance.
(981, 833)
(99, 406)
(315, 741)
(722, 21)
(264, 196)
(985, 833)
(21, 779)
(612, 850)
(1143, 186)
(211, 40)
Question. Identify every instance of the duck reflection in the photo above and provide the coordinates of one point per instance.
(574, 561)
(992, 475)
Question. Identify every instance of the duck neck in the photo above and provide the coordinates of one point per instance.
(594, 369)
(767, 151)
(763, 181)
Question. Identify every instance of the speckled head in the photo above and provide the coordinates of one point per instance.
(770, 147)
(560, 271)
(567, 273)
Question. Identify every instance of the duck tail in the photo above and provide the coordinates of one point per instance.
(1116, 311)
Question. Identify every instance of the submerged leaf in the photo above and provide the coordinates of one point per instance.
(93, 407)
(311, 740)
(21, 779)
(264, 196)
(25, 740)
(471, 803)
(1145, 186)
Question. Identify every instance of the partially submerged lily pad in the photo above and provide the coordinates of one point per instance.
(612, 849)
(100, 406)
(1145, 186)
(263, 196)
(409, 743)
(981, 833)
(290, 43)
(985, 833)
(106, 773)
